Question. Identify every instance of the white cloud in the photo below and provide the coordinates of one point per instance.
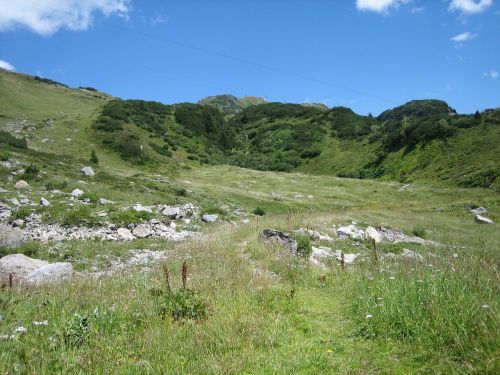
(463, 37)
(493, 74)
(379, 6)
(48, 16)
(417, 10)
(5, 65)
(470, 6)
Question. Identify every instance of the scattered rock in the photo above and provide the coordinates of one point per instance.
(373, 234)
(140, 208)
(407, 253)
(210, 218)
(76, 193)
(171, 212)
(14, 201)
(350, 231)
(315, 234)
(103, 201)
(11, 237)
(479, 211)
(19, 265)
(50, 273)
(284, 238)
(21, 184)
(4, 211)
(44, 202)
(125, 234)
(18, 223)
(87, 171)
(483, 220)
(141, 231)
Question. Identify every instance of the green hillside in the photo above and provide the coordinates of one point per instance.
(229, 104)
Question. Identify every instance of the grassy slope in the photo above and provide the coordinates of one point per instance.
(254, 325)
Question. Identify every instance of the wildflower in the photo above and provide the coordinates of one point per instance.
(329, 350)
(486, 306)
(392, 278)
(455, 255)
(42, 323)
(379, 298)
(420, 281)
(369, 316)
(20, 330)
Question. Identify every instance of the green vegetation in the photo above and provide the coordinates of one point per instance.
(9, 139)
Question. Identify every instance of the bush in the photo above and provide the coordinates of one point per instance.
(259, 211)
(124, 218)
(180, 192)
(80, 216)
(7, 138)
(303, 245)
(4, 155)
(77, 330)
(184, 304)
(20, 213)
(93, 157)
(419, 232)
(31, 172)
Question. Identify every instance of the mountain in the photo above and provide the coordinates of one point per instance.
(423, 140)
(229, 104)
(418, 109)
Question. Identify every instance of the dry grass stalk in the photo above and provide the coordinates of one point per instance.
(374, 249)
(166, 274)
(184, 274)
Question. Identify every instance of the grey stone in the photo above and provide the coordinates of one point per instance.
(350, 231)
(483, 220)
(11, 237)
(141, 231)
(18, 223)
(139, 208)
(124, 234)
(171, 212)
(285, 239)
(76, 193)
(44, 202)
(21, 184)
(210, 218)
(14, 201)
(104, 201)
(87, 171)
(479, 211)
(19, 265)
(373, 234)
(50, 273)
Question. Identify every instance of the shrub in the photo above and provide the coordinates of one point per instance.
(31, 172)
(93, 157)
(4, 155)
(124, 218)
(7, 138)
(79, 216)
(20, 213)
(259, 211)
(419, 232)
(77, 330)
(180, 192)
(303, 245)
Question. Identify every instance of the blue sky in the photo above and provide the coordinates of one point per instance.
(369, 55)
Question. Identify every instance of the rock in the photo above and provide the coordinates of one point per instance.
(76, 193)
(87, 171)
(479, 211)
(21, 184)
(86, 200)
(407, 253)
(19, 265)
(210, 218)
(4, 211)
(373, 234)
(104, 201)
(44, 202)
(141, 231)
(125, 234)
(171, 212)
(483, 220)
(350, 231)
(18, 223)
(50, 273)
(14, 201)
(11, 237)
(139, 207)
(284, 238)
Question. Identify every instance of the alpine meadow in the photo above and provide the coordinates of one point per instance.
(237, 234)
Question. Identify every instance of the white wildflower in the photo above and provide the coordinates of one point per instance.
(369, 316)
(20, 330)
(42, 323)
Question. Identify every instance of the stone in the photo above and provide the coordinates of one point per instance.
(21, 184)
(483, 220)
(283, 238)
(171, 212)
(479, 211)
(141, 231)
(19, 265)
(373, 234)
(76, 193)
(350, 231)
(407, 253)
(210, 218)
(139, 208)
(4, 211)
(14, 201)
(50, 273)
(11, 237)
(44, 202)
(125, 234)
(103, 201)
(87, 171)
(18, 223)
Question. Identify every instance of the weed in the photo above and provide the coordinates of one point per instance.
(20, 213)
(77, 330)
(127, 217)
(259, 211)
(419, 232)
(303, 245)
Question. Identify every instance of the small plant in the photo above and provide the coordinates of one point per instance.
(181, 192)
(259, 211)
(31, 172)
(303, 245)
(56, 185)
(79, 216)
(127, 217)
(20, 213)
(4, 155)
(76, 330)
(92, 197)
(93, 157)
(419, 232)
(184, 303)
